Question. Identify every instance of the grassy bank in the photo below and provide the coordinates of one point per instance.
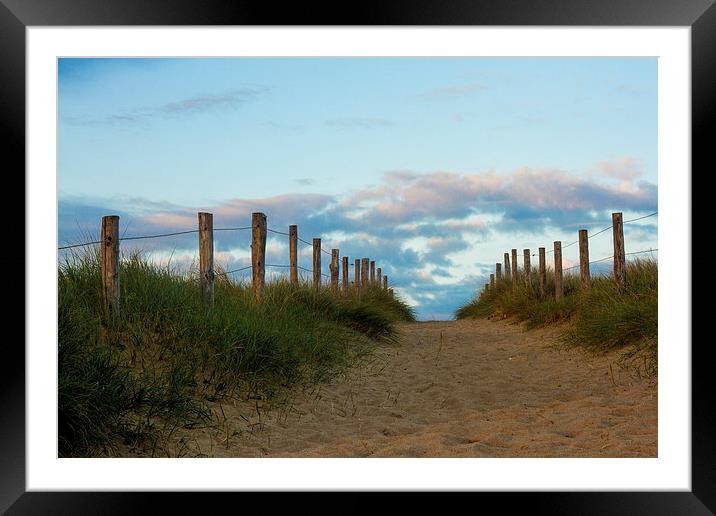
(599, 319)
(155, 367)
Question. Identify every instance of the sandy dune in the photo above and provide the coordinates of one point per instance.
(453, 389)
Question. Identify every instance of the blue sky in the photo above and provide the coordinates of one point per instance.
(433, 166)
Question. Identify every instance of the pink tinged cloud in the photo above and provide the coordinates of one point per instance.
(405, 200)
(627, 168)
(465, 224)
(173, 220)
(283, 207)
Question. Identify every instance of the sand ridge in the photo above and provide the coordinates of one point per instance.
(468, 388)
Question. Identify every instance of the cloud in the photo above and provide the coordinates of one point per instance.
(627, 168)
(359, 123)
(451, 92)
(465, 224)
(540, 196)
(440, 248)
(305, 181)
(230, 99)
(201, 103)
(399, 176)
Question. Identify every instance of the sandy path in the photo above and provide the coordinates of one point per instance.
(483, 389)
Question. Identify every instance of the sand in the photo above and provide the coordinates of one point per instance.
(480, 388)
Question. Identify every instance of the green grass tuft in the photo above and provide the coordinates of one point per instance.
(156, 366)
(601, 318)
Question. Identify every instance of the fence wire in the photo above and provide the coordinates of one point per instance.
(187, 232)
(142, 237)
(611, 257)
(602, 231)
(233, 229)
(226, 273)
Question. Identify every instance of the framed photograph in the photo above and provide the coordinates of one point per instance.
(406, 175)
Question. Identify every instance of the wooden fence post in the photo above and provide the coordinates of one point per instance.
(528, 269)
(542, 272)
(372, 273)
(334, 269)
(492, 280)
(385, 282)
(356, 281)
(364, 272)
(345, 274)
(558, 292)
(316, 262)
(110, 265)
(507, 266)
(206, 256)
(584, 257)
(379, 277)
(258, 254)
(392, 294)
(293, 252)
(514, 268)
(498, 272)
(619, 254)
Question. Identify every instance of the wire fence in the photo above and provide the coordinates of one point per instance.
(284, 233)
(607, 229)
(225, 273)
(611, 257)
(526, 273)
(602, 231)
(160, 235)
(216, 273)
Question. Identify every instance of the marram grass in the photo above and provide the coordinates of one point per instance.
(600, 319)
(156, 366)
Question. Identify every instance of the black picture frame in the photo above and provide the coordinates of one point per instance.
(16, 15)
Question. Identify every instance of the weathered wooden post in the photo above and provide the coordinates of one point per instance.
(372, 273)
(258, 254)
(316, 262)
(356, 281)
(379, 277)
(364, 272)
(334, 269)
(206, 256)
(507, 266)
(385, 282)
(498, 272)
(514, 268)
(345, 274)
(619, 254)
(392, 294)
(542, 272)
(293, 252)
(528, 269)
(492, 280)
(110, 265)
(558, 292)
(584, 257)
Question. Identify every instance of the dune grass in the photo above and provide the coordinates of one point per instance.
(600, 319)
(154, 368)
